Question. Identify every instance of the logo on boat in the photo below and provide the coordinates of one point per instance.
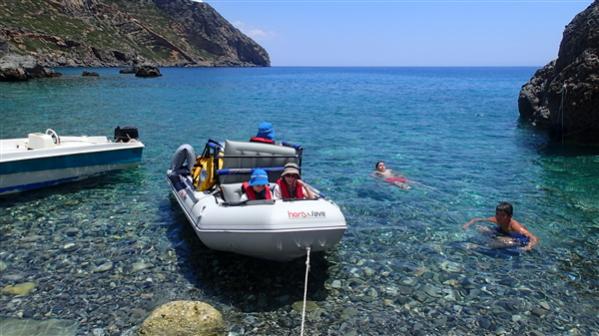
(306, 214)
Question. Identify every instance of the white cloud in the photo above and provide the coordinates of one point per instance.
(254, 32)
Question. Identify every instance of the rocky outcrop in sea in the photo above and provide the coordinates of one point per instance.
(563, 96)
(118, 33)
(14, 68)
(147, 71)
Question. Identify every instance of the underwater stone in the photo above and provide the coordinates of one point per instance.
(368, 271)
(183, 318)
(26, 327)
(310, 306)
(107, 266)
(2, 266)
(69, 247)
(140, 266)
(98, 332)
(450, 266)
(20, 289)
(336, 284)
(348, 313)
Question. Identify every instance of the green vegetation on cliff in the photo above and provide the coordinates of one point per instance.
(118, 32)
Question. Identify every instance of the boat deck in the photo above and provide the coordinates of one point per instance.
(8, 146)
(16, 149)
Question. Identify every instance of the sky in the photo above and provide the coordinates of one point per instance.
(404, 32)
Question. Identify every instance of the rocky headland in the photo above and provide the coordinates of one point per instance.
(563, 96)
(124, 32)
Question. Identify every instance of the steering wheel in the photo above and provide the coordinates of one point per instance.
(54, 135)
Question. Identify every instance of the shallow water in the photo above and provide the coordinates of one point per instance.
(404, 266)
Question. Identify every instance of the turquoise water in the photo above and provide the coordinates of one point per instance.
(404, 266)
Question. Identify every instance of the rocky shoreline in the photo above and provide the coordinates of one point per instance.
(14, 68)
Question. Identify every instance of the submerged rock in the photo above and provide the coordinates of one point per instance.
(26, 327)
(21, 289)
(106, 266)
(310, 306)
(563, 96)
(89, 74)
(183, 318)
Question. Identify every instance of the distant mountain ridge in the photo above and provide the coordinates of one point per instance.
(119, 32)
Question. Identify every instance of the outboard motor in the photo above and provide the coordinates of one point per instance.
(125, 134)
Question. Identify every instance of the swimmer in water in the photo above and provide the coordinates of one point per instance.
(509, 232)
(390, 177)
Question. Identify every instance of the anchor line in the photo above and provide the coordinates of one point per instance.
(305, 290)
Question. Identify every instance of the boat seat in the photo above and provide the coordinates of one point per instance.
(231, 192)
(239, 154)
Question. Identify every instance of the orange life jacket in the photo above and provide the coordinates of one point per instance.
(249, 191)
(299, 190)
(263, 140)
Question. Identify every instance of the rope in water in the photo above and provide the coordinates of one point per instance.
(305, 290)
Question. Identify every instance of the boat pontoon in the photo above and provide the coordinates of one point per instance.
(208, 189)
(46, 159)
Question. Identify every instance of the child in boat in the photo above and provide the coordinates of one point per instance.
(389, 176)
(257, 188)
(290, 185)
(510, 233)
(266, 133)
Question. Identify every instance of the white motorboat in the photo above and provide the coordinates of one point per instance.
(46, 159)
(208, 189)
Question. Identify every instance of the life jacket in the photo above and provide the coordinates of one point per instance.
(263, 140)
(299, 190)
(249, 191)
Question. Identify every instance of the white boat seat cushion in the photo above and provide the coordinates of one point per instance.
(259, 155)
(231, 192)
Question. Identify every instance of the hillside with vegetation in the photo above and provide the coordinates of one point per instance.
(122, 32)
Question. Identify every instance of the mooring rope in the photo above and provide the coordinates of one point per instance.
(305, 290)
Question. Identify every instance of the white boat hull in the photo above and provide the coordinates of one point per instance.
(280, 231)
(74, 159)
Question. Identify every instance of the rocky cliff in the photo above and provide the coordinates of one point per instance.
(119, 32)
(563, 97)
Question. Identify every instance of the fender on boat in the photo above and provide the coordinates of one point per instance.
(183, 160)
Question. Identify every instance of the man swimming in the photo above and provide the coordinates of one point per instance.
(509, 232)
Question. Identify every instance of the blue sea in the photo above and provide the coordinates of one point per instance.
(405, 265)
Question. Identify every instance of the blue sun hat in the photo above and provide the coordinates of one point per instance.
(265, 130)
(259, 177)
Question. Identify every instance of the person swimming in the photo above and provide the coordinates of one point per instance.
(381, 171)
(508, 232)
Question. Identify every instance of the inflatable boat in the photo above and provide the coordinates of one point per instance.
(208, 190)
(46, 159)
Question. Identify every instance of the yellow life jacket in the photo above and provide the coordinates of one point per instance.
(203, 172)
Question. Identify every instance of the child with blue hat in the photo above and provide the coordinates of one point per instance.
(266, 133)
(258, 178)
(257, 188)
